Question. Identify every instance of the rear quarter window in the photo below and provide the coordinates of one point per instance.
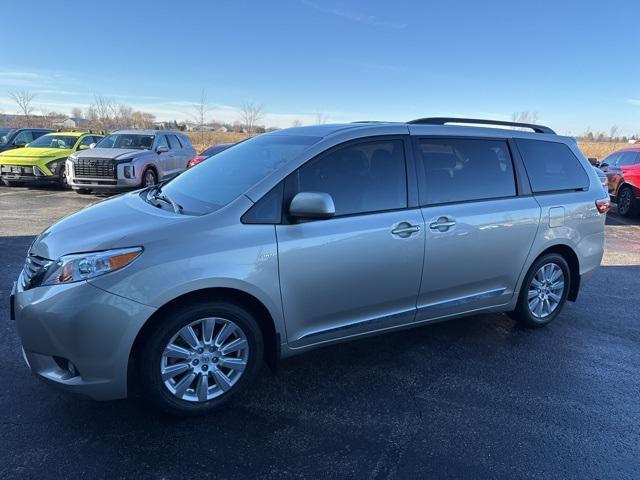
(552, 166)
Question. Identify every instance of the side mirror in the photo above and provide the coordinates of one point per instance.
(593, 161)
(162, 149)
(312, 205)
(92, 146)
(83, 147)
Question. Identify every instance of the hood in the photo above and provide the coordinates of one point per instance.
(113, 153)
(103, 226)
(27, 152)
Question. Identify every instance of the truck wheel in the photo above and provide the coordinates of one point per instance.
(149, 178)
(199, 356)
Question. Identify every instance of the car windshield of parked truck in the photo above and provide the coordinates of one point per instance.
(127, 140)
(54, 141)
(5, 134)
(213, 184)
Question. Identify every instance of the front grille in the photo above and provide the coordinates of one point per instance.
(94, 168)
(34, 269)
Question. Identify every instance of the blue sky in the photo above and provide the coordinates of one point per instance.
(572, 62)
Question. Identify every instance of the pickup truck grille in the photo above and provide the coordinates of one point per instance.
(94, 168)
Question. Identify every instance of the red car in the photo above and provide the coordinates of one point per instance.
(209, 152)
(623, 171)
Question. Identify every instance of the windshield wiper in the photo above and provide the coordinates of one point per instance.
(156, 194)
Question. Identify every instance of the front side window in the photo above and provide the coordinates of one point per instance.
(23, 138)
(54, 141)
(88, 140)
(627, 159)
(552, 166)
(460, 169)
(214, 183)
(133, 141)
(361, 178)
(162, 141)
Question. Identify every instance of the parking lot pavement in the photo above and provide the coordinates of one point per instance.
(477, 397)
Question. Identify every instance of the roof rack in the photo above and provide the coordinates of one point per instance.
(476, 121)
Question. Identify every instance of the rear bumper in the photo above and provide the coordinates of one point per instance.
(82, 325)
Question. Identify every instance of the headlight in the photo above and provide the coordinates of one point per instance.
(83, 266)
(54, 166)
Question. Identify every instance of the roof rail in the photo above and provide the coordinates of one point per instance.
(476, 121)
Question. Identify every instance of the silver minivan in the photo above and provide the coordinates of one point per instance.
(301, 238)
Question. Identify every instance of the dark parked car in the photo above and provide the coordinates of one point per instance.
(209, 152)
(19, 137)
(623, 171)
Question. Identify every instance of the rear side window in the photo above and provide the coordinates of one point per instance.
(552, 166)
(174, 142)
(361, 178)
(459, 170)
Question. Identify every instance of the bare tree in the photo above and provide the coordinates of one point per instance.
(76, 112)
(24, 101)
(143, 120)
(524, 117)
(296, 123)
(250, 115)
(321, 118)
(614, 131)
(201, 109)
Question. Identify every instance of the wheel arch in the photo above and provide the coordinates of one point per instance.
(571, 258)
(254, 305)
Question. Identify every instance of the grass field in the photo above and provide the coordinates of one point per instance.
(590, 149)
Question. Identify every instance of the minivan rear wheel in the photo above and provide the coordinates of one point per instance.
(199, 356)
(544, 291)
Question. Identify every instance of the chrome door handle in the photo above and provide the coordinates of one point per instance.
(442, 224)
(406, 230)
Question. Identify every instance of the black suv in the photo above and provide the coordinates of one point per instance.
(11, 138)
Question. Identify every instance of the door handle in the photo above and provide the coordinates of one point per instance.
(442, 224)
(406, 229)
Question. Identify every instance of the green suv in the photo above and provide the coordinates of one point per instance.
(43, 160)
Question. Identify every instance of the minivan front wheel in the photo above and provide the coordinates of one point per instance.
(544, 291)
(149, 178)
(199, 356)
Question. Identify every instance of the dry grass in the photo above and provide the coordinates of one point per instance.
(212, 138)
(590, 149)
(600, 149)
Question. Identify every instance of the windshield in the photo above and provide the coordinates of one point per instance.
(213, 184)
(54, 141)
(5, 134)
(127, 140)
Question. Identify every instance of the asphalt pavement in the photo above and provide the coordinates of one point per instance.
(472, 398)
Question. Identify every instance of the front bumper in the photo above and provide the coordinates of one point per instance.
(26, 173)
(82, 325)
(117, 182)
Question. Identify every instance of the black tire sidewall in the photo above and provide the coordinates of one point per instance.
(144, 176)
(149, 362)
(630, 210)
(522, 312)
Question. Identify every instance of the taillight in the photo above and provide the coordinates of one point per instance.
(603, 205)
(195, 161)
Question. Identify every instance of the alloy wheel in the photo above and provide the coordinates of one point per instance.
(624, 204)
(204, 359)
(149, 179)
(546, 290)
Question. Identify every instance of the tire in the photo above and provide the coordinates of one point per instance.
(627, 206)
(62, 181)
(170, 394)
(83, 191)
(149, 178)
(534, 315)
